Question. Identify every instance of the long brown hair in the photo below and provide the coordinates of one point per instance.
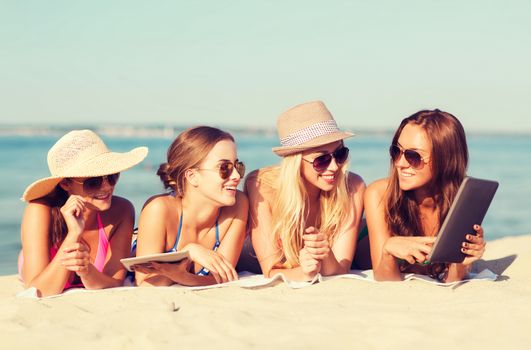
(448, 161)
(187, 151)
(55, 200)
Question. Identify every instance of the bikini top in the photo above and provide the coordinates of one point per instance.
(101, 254)
(103, 247)
(203, 271)
(99, 261)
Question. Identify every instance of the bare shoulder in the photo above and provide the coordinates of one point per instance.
(241, 205)
(251, 181)
(37, 212)
(38, 206)
(355, 182)
(121, 204)
(252, 175)
(259, 184)
(377, 189)
(158, 205)
(121, 211)
(242, 202)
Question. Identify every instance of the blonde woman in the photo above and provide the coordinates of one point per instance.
(305, 213)
(74, 229)
(203, 214)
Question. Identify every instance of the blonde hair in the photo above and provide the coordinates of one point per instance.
(291, 209)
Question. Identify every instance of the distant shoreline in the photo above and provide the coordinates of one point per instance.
(170, 131)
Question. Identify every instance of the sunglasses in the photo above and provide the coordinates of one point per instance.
(322, 162)
(93, 184)
(412, 157)
(226, 168)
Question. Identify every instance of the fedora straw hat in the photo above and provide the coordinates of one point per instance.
(81, 153)
(306, 126)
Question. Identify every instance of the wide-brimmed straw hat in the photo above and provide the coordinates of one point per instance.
(306, 126)
(81, 153)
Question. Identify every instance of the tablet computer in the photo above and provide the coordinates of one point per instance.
(468, 208)
(161, 257)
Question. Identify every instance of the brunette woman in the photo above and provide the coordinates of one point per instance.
(429, 158)
(74, 229)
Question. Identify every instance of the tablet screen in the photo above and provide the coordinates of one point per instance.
(468, 208)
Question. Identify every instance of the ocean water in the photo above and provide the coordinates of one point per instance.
(504, 158)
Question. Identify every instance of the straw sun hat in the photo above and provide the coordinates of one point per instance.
(81, 153)
(306, 126)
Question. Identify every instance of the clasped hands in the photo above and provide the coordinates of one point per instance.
(75, 253)
(316, 248)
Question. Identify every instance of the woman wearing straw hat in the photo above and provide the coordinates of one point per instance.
(74, 230)
(429, 157)
(305, 213)
(203, 214)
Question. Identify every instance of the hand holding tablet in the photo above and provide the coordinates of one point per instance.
(468, 209)
(161, 257)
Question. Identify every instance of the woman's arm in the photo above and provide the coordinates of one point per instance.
(260, 221)
(179, 273)
(232, 242)
(384, 264)
(47, 276)
(342, 251)
(386, 248)
(221, 263)
(113, 275)
(151, 238)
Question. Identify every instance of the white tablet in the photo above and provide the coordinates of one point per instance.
(161, 257)
(468, 208)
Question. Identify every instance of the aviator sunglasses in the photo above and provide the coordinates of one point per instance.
(226, 168)
(322, 162)
(412, 157)
(94, 183)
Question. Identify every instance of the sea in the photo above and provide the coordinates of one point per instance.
(504, 158)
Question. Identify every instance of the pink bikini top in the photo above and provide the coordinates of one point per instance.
(103, 247)
(99, 261)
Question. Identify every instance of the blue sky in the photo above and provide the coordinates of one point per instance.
(241, 63)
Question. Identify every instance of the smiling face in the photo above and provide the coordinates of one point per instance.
(98, 199)
(209, 182)
(414, 137)
(326, 179)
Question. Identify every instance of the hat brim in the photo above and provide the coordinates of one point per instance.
(103, 164)
(284, 151)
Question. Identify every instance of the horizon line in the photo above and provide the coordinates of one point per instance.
(172, 129)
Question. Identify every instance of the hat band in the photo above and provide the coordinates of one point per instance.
(309, 133)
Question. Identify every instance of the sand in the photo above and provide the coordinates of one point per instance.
(333, 314)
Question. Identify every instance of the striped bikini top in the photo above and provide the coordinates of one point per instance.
(203, 271)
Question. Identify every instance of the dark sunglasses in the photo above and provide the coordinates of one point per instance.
(412, 157)
(226, 168)
(322, 162)
(94, 183)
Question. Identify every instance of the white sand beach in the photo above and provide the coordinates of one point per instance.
(333, 314)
